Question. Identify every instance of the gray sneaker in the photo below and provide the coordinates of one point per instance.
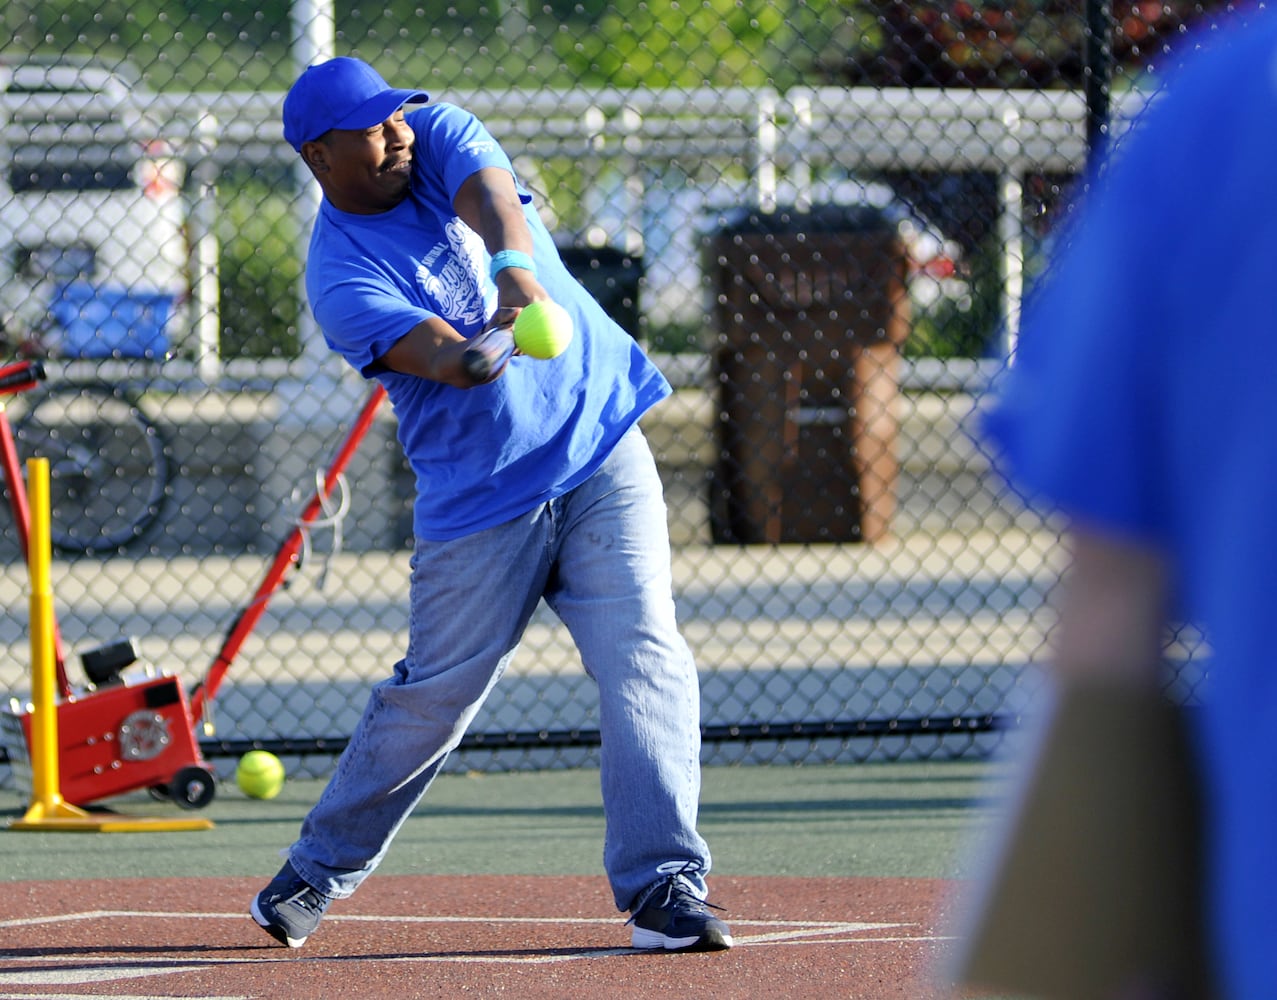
(667, 914)
(289, 909)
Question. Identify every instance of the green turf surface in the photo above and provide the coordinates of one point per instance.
(873, 819)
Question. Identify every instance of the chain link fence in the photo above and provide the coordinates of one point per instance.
(819, 219)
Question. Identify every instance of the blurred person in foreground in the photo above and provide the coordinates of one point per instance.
(532, 482)
(1142, 404)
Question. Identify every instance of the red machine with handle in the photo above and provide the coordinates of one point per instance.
(139, 732)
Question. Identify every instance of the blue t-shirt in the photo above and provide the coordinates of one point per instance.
(1143, 402)
(485, 455)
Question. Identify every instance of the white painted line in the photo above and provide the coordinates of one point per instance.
(816, 925)
(59, 972)
(66, 918)
(79, 974)
(114, 996)
(810, 930)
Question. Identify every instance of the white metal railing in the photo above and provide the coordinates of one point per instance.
(863, 126)
(768, 134)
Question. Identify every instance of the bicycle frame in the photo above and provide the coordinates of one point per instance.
(21, 376)
(15, 378)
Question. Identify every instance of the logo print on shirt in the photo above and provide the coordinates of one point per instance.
(478, 146)
(450, 276)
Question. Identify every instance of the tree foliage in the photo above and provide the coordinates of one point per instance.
(175, 44)
(645, 44)
(245, 44)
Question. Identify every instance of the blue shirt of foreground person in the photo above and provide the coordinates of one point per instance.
(1143, 402)
(532, 483)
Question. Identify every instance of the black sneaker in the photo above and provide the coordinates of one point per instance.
(668, 915)
(289, 909)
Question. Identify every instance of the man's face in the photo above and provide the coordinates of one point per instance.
(364, 171)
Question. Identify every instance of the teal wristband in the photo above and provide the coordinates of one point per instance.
(511, 258)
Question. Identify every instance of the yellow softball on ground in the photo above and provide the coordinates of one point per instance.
(260, 774)
(543, 330)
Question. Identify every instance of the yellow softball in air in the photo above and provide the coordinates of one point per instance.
(260, 774)
(543, 330)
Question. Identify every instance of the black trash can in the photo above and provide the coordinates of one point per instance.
(612, 277)
(811, 312)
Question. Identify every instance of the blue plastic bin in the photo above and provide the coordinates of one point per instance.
(111, 321)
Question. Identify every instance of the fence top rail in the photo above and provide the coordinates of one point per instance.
(902, 127)
(958, 127)
(942, 128)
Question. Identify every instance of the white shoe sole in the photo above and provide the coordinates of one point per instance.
(265, 925)
(648, 940)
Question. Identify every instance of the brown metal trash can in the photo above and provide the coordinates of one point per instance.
(811, 312)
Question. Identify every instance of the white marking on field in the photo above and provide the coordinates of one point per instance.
(18, 971)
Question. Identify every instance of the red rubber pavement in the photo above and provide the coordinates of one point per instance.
(469, 935)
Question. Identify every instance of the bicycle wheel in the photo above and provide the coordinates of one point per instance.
(108, 465)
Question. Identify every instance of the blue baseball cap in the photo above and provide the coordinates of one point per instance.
(340, 93)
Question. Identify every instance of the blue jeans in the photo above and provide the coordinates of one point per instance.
(600, 557)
